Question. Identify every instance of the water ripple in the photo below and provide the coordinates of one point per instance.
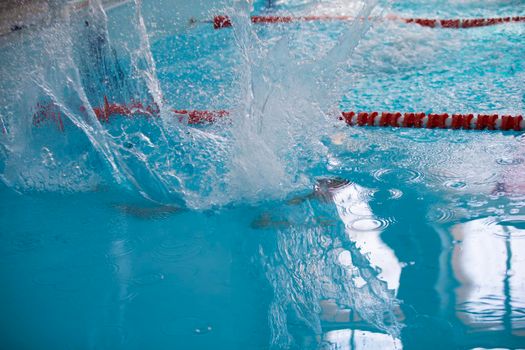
(455, 184)
(122, 247)
(509, 161)
(175, 249)
(390, 194)
(441, 215)
(370, 224)
(422, 135)
(397, 174)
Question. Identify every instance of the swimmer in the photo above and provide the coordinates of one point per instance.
(323, 191)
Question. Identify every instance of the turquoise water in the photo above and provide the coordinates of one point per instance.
(277, 228)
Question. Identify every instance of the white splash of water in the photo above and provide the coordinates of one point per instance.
(284, 109)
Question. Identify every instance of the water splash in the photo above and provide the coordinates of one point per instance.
(321, 277)
(280, 114)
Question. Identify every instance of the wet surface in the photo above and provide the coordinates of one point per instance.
(107, 278)
(279, 228)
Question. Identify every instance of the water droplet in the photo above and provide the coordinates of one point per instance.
(203, 330)
(187, 325)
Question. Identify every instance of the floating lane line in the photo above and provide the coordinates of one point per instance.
(457, 121)
(220, 22)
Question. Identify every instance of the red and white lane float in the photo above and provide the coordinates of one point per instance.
(435, 120)
(51, 113)
(220, 22)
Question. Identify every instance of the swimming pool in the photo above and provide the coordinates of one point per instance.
(278, 225)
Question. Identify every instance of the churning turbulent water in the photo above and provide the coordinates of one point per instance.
(282, 110)
(283, 87)
(279, 109)
(283, 90)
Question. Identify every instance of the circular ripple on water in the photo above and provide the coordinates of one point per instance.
(175, 249)
(459, 137)
(441, 215)
(455, 184)
(122, 247)
(395, 156)
(441, 174)
(509, 161)
(366, 160)
(383, 195)
(370, 224)
(359, 209)
(480, 179)
(399, 174)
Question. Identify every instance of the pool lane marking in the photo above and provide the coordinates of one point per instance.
(45, 112)
(435, 120)
(456, 121)
(221, 21)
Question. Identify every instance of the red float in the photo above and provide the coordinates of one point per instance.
(220, 22)
(51, 113)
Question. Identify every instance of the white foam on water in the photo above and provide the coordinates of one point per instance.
(281, 113)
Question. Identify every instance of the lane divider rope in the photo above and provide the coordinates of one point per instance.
(51, 113)
(435, 120)
(220, 22)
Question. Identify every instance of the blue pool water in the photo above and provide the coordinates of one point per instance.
(278, 227)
